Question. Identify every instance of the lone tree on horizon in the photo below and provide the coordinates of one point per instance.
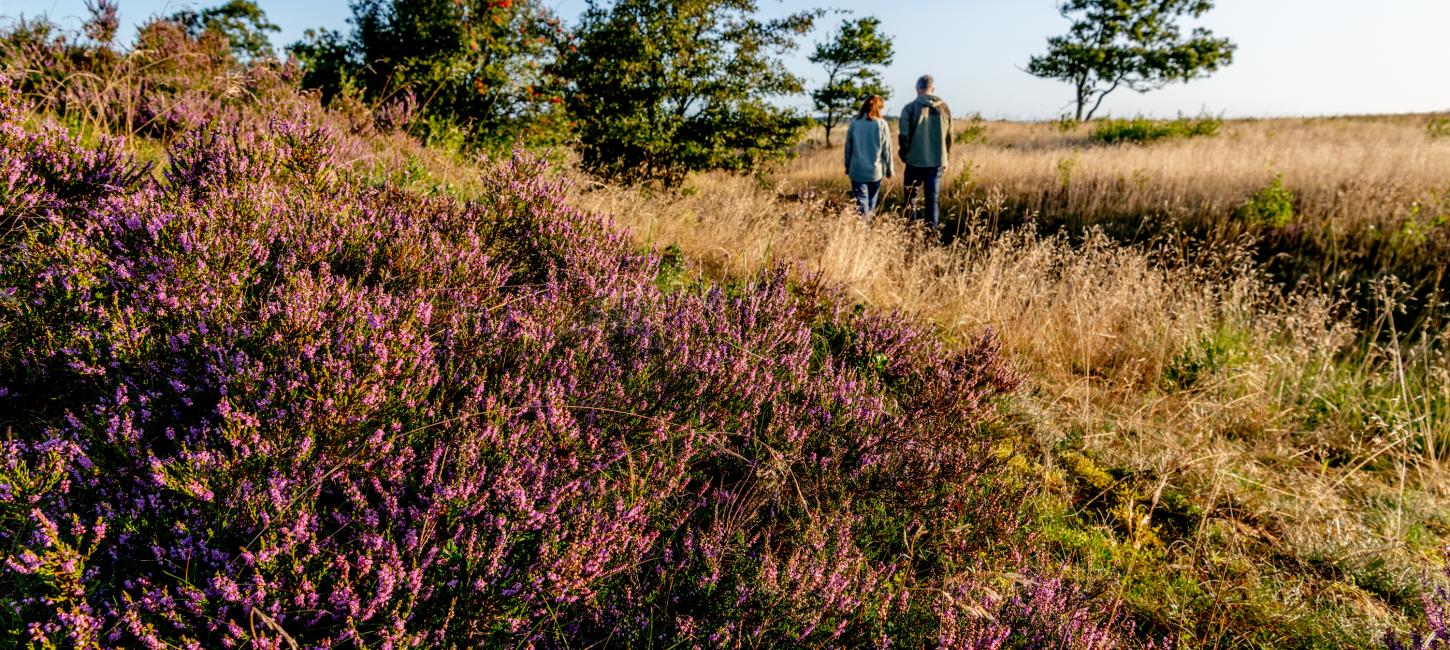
(851, 57)
(1136, 44)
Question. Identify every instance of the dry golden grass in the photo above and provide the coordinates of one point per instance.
(1341, 169)
(1309, 454)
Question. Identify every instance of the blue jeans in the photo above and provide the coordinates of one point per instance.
(929, 180)
(867, 194)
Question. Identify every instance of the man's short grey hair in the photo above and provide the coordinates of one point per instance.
(926, 82)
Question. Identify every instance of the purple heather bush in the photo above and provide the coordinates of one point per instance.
(1435, 634)
(397, 113)
(166, 84)
(248, 399)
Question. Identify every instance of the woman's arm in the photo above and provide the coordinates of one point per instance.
(850, 142)
(888, 161)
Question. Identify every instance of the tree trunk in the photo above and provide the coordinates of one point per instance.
(1081, 100)
(1116, 82)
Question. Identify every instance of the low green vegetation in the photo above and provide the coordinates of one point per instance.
(974, 131)
(1438, 127)
(1215, 352)
(1272, 206)
(1141, 130)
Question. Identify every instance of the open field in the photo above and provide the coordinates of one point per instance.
(1342, 169)
(1247, 464)
(1370, 195)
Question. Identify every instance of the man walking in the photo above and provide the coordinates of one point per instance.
(926, 141)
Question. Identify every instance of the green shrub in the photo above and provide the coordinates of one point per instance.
(975, 131)
(1271, 206)
(1214, 352)
(1438, 128)
(1141, 130)
(1065, 167)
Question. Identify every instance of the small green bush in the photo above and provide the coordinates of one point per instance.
(975, 131)
(1141, 130)
(1065, 168)
(1438, 128)
(1216, 351)
(1271, 206)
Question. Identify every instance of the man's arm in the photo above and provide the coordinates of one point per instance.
(903, 130)
(947, 111)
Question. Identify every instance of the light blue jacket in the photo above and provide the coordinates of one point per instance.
(868, 150)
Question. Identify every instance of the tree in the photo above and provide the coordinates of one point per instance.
(659, 88)
(476, 67)
(241, 22)
(850, 59)
(1136, 44)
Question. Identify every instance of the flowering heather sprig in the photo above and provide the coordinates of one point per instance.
(397, 113)
(1436, 633)
(1036, 614)
(253, 399)
(103, 21)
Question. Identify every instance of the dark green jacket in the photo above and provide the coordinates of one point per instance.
(931, 120)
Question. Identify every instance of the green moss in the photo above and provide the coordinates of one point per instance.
(1085, 471)
(1214, 600)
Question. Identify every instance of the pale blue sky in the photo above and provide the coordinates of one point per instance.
(1295, 57)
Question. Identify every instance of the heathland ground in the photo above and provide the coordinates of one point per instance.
(275, 371)
(1235, 425)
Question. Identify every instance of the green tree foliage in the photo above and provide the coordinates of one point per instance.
(478, 66)
(1136, 44)
(851, 59)
(241, 22)
(659, 88)
(328, 62)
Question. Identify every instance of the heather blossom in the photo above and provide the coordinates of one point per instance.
(1435, 633)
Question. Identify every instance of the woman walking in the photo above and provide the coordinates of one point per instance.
(868, 154)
